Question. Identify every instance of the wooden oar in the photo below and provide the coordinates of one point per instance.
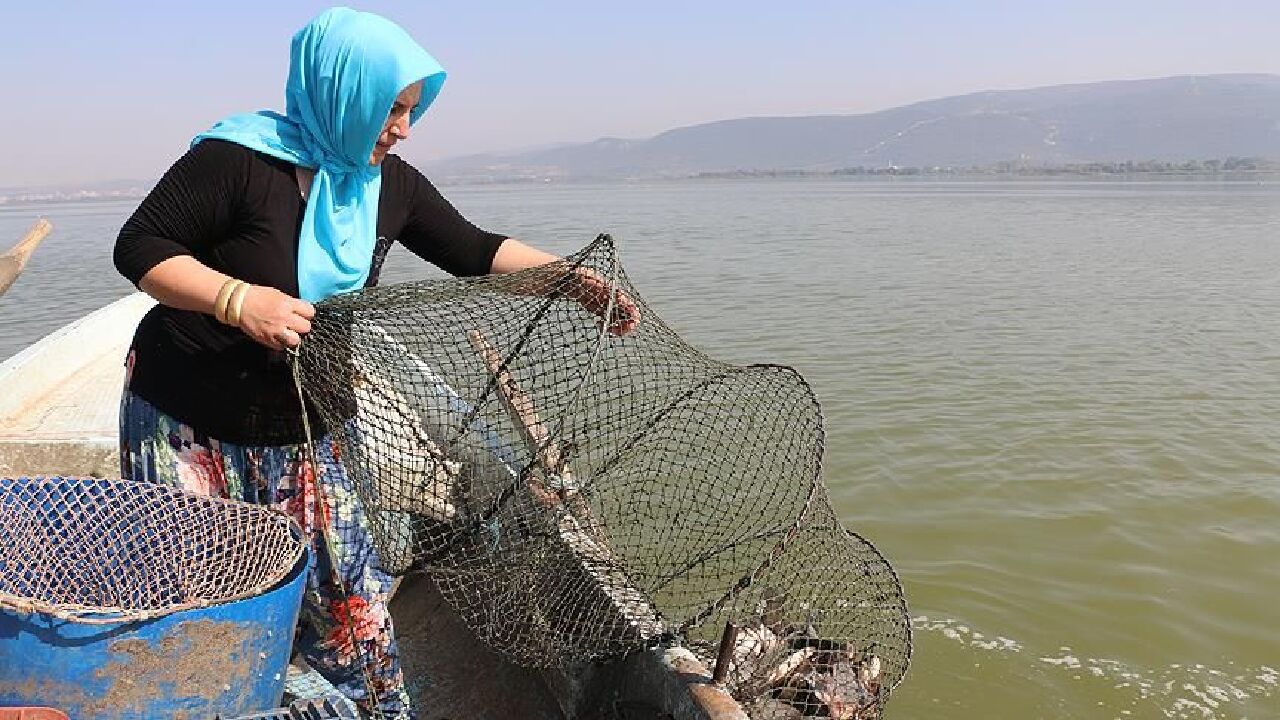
(525, 417)
(12, 262)
(631, 608)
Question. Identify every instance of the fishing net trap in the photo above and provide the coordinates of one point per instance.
(578, 493)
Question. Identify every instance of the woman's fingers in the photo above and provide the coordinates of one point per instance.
(288, 338)
(595, 295)
(299, 324)
(625, 315)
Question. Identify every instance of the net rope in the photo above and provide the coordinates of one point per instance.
(578, 494)
(93, 550)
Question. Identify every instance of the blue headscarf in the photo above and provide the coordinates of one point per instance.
(345, 70)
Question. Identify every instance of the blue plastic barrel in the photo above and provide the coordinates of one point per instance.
(226, 659)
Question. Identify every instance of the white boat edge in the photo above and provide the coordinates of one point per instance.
(59, 396)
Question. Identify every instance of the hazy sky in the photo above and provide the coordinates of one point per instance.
(103, 90)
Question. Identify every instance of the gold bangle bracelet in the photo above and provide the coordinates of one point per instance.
(236, 304)
(224, 296)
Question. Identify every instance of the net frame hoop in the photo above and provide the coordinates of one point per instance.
(909, 637)
(816, 493)
(792, 530)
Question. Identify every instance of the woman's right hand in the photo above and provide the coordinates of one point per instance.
(267, 315)
(275, 319)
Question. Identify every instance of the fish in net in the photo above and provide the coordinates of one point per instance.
(578, 494)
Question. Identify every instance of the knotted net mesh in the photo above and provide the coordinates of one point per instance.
(109, 551)
(579, 491)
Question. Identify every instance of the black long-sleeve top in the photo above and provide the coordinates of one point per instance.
(239, 211)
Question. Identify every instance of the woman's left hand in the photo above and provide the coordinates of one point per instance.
(586, 286)
(592, 292)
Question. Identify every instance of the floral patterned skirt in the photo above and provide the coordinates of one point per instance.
(345, 631)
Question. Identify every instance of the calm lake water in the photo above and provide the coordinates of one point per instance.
(1054, 407)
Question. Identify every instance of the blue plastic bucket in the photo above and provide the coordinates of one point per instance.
(226, 658)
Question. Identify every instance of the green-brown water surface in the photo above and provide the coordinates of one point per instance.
(1053, 406)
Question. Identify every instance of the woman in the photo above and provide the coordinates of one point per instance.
(264, 215)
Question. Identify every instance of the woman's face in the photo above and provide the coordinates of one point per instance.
(397, 125)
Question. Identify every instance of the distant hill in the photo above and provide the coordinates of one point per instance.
(1168, 119)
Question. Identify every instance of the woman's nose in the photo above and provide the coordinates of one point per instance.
(400, 128)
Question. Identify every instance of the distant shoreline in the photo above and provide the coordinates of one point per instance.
(1003, 177)
(1235, 177)
(84, 196)
(1230, 170)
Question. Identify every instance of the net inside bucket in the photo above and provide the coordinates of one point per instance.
(578, 494)
(108, 551)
